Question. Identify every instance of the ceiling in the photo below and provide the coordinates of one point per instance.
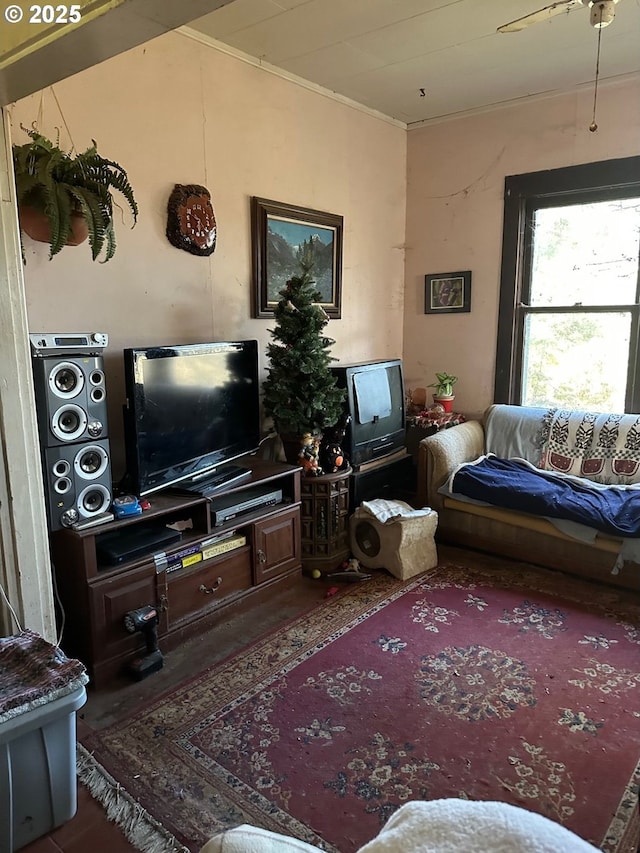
(384, 54)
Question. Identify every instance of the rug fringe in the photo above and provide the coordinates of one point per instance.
(140, 828)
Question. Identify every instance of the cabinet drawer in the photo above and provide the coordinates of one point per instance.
(205, 585)
(110, 600)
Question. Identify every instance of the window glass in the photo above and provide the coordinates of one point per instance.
(576, 360)
(586, 254)
(569, 319)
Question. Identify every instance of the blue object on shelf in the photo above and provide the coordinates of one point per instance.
(126, 505)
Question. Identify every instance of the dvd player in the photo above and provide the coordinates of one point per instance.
(225, 508)
(120, 546)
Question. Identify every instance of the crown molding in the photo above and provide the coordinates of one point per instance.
(190, 33)
(515, 102)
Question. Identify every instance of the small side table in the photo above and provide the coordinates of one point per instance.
(422, 426)
(324, 520)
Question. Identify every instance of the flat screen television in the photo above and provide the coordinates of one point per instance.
(190, 409)
(375, 404)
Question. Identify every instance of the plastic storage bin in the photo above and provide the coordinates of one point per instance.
(38, 788)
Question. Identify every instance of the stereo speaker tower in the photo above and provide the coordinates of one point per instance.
(71, 407)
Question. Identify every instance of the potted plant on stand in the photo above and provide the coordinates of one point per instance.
(63, 199)
(443, 394)
(300, 392)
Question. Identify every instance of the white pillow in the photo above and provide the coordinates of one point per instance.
(437, 826)
(252, 839)
(454, 825)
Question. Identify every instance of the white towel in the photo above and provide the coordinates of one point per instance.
(390, 510)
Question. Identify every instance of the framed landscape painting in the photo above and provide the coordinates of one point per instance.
(280, 233)
(447, 293)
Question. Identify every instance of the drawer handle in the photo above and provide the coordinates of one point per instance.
(209, 589)
(262, 557)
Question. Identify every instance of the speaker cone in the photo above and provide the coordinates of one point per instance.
(69, 422)
(66, 380)
(91, 462)
(93, 499)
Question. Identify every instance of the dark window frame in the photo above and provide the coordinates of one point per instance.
(606, 180)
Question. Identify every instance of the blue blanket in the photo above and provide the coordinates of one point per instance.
(517, 485)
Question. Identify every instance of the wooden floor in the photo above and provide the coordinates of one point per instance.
(90, 831)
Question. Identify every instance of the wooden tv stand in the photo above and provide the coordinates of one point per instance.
(189, 599)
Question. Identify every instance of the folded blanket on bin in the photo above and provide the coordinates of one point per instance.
(34, 672)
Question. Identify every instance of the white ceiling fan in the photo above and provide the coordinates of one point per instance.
(602, 13)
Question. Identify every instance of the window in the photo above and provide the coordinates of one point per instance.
(569, 322)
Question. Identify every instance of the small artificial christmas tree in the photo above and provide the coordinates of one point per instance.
(300, 392)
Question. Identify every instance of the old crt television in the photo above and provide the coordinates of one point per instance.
(375, 403)
(190, 409)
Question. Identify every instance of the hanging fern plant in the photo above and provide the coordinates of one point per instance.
(63, 187)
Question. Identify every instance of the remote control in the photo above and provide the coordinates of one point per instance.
(94, 521)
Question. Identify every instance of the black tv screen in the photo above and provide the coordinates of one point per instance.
(189, 409)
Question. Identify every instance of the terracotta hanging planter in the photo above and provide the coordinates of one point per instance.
(34, 223)
(57, 182)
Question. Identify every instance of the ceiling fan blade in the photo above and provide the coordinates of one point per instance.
(558, 8)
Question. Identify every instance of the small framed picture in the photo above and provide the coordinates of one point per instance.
(447, 293)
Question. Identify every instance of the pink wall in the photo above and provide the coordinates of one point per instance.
(178, 111)
(455, 185)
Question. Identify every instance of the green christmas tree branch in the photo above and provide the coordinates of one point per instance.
(300, 392)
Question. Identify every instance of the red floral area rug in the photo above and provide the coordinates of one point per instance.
(488, 681)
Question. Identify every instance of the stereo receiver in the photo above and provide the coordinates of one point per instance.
(87, 343)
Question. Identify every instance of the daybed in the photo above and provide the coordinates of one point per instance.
(438, 826)
(590, 449)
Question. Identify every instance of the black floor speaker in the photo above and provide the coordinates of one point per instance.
(71, 407)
